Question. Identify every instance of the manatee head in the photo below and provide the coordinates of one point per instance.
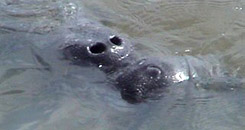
(99, 46)
(143, 80)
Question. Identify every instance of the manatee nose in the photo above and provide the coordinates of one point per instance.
(97, 48)
(131, 96)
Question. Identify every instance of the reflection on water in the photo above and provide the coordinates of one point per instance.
(39, 90)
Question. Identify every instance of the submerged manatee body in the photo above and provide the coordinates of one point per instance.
(149, 77)
(137, 79)
(41, 91)
(90, 43)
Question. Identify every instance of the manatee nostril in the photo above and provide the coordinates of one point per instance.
(97, 48)
(115, 40)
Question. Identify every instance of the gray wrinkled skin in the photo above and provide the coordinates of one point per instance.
(93, 43)
(143, 79)
(90, 43)
(86, 42)
(149, 77)
(42, 91)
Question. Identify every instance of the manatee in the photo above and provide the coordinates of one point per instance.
(40, 91)
(139, 79)
(149, 77)
(86, 42)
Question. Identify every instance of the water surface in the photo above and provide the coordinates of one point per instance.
(39, 90)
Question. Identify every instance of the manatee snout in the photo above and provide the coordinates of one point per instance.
(142, 81)
(111, 51)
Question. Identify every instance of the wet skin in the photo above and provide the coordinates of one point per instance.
(137, 79)
(149, 77)
(143, 80)
(98, 46)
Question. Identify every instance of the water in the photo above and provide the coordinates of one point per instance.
(39, 90)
